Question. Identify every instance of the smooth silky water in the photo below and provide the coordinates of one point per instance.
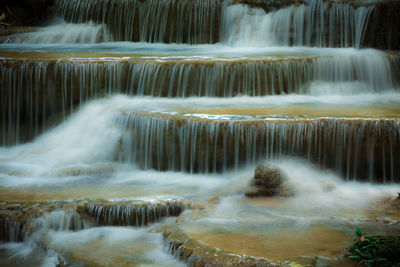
(79, 160)
(190, 120)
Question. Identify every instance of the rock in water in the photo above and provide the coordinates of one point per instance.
(396, 202)
(268, 181)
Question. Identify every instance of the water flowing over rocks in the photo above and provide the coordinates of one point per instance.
(352, 143)
(177, 21)
(129, 130)
(30, 105)
(19, 220)
(134, 215)
(321, 23)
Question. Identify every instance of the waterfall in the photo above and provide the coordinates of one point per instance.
(61, 221)
(134, 214)
(316, 23)
(171, 21)
(63, 33)
(346, 145)
(36, 94)
(11, 230)
(236, 129)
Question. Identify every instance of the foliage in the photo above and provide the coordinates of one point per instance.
(365, 249)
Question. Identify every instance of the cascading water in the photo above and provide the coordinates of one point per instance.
(63, 33)
(316, 23)
(171, 21)
(105, 143)
(81, 80)
(346, 145)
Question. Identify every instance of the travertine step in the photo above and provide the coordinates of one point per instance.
(19, 220)
(337, 23)
(358, 143)
(37, 89)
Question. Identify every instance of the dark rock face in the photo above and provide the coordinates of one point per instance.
(268, 181)
(390, 250)
(26, 12)
(383, 30)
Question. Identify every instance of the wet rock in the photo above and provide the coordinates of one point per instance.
(396, 202)
(328, 187)
(268, 181)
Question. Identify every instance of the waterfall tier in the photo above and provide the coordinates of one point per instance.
(130, 214)
(311, 23)
(123, 121)
(62, 33)
(186, 143)
(319, 23)
(36, 93)
(169, 21)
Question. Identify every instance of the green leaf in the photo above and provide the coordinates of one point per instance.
(354, 257)
(358, 231)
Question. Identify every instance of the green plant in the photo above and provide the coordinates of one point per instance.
(365, 249)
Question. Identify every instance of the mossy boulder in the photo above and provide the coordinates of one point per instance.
(268, 181)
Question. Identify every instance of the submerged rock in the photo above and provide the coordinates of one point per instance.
(396, 202)
(268, 181)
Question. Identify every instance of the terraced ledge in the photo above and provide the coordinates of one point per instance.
(133, 214)
(196, 254)
(19, 220)
(347, 145)
(30, 104)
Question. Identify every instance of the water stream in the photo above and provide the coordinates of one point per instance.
(121, 114)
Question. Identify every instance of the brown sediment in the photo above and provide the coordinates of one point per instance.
(266, 201)
(99, 57)
(109, 255)
(92, 191)
(197, 254)
(385, 212)
(285, 244)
